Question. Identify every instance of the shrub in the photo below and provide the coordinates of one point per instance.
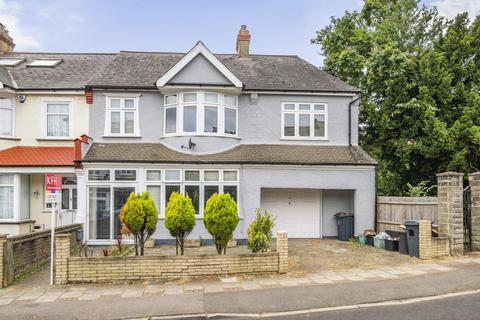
(180, 218)
(260, 232)
(221, 219)
(139, 215)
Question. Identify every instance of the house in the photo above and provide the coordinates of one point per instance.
(42, 110)
(274, 131)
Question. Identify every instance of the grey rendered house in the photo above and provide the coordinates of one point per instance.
(274, 131)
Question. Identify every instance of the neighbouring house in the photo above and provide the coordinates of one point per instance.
(42, 110)
(274, 131)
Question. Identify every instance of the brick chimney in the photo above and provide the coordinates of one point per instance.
(6, 42)
(243, 42)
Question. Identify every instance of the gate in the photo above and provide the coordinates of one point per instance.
(467, 219)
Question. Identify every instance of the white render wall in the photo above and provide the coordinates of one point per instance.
(345, 188)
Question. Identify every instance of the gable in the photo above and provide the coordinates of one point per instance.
(200, 71)
(214, 72)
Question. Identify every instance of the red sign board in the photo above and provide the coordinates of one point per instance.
(53, 182)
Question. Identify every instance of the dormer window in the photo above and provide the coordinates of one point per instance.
(200, 113)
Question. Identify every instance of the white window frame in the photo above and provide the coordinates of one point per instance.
(12, 119)
(45, 102)
(296, 112)
(16, 185)
(182, 183)
(122, 110)
(200, 104)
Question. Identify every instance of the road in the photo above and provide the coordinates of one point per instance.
(462, 308)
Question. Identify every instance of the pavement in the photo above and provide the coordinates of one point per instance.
(229, 296)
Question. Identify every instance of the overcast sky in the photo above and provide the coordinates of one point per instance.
(276, 26)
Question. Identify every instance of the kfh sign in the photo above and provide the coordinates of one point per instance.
(53, 182)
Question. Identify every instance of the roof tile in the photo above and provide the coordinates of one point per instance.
(37, 156)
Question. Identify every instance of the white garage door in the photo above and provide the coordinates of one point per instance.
(298, 211)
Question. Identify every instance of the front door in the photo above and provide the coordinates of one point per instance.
(104, 205)
(69, 201)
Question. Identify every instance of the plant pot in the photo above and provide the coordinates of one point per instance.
(370, 240)
(391, 245)
(362, 239)
(379, 243)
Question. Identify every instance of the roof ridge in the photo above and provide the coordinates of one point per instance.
(64, 53)
(216, 54)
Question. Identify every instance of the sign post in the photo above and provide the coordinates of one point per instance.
(53, 186)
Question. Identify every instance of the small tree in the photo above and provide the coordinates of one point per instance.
(180, 218)
(139, 215)
(221, 219)
(260, 232)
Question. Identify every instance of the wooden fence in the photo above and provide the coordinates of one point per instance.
(393, 211)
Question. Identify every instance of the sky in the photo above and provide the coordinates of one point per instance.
(276, 26)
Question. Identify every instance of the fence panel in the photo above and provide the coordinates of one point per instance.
(393, 211)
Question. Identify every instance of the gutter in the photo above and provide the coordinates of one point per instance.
(350, 104)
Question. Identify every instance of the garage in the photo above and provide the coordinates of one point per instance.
(298, 211)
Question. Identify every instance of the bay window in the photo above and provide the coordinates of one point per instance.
(6, 196)
(122, 116)
(57, 119)
(200, 113)
(6, 117)
(304, 121)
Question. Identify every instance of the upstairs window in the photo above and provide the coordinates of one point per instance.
(304, 121)
(11, 62)
(122, 116)
(57, 119)
(45, 63)
(200, 113)
(6, 117)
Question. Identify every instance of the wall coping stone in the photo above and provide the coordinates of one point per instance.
(449, 173)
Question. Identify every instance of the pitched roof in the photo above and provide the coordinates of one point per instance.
(75, 70)
(241, 154)
(258, 72)
(21, 156)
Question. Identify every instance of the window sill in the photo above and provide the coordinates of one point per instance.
(10, 138)
(55, 139)
(201, 135)
(303, 139)
(123, 136)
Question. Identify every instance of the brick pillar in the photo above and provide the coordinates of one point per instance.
(62, 252)
(474, 180)
(3, 241)
(425, 239)
(282, 249)
(450, 209)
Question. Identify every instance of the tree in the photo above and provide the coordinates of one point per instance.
(419, 77)
(139, 215)
(260, 232)
(221, 219)
(180, 218)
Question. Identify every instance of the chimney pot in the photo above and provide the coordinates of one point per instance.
(243, 42)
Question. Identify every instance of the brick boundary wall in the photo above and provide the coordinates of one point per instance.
(21, 253)
(131, 268)
(431, 247)
(450, 209)
(474, 181)
(3, 241)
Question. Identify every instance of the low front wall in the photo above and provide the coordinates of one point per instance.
(23, 252)
(119, 269)
(431, 247)
(107, 269)
(440, 247)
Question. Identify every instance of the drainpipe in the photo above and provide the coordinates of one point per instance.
(350, 104)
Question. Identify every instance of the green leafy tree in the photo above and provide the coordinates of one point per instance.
(180, 218)
(140, 217)
(260, 232)
(221, 219)
(419, 76)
